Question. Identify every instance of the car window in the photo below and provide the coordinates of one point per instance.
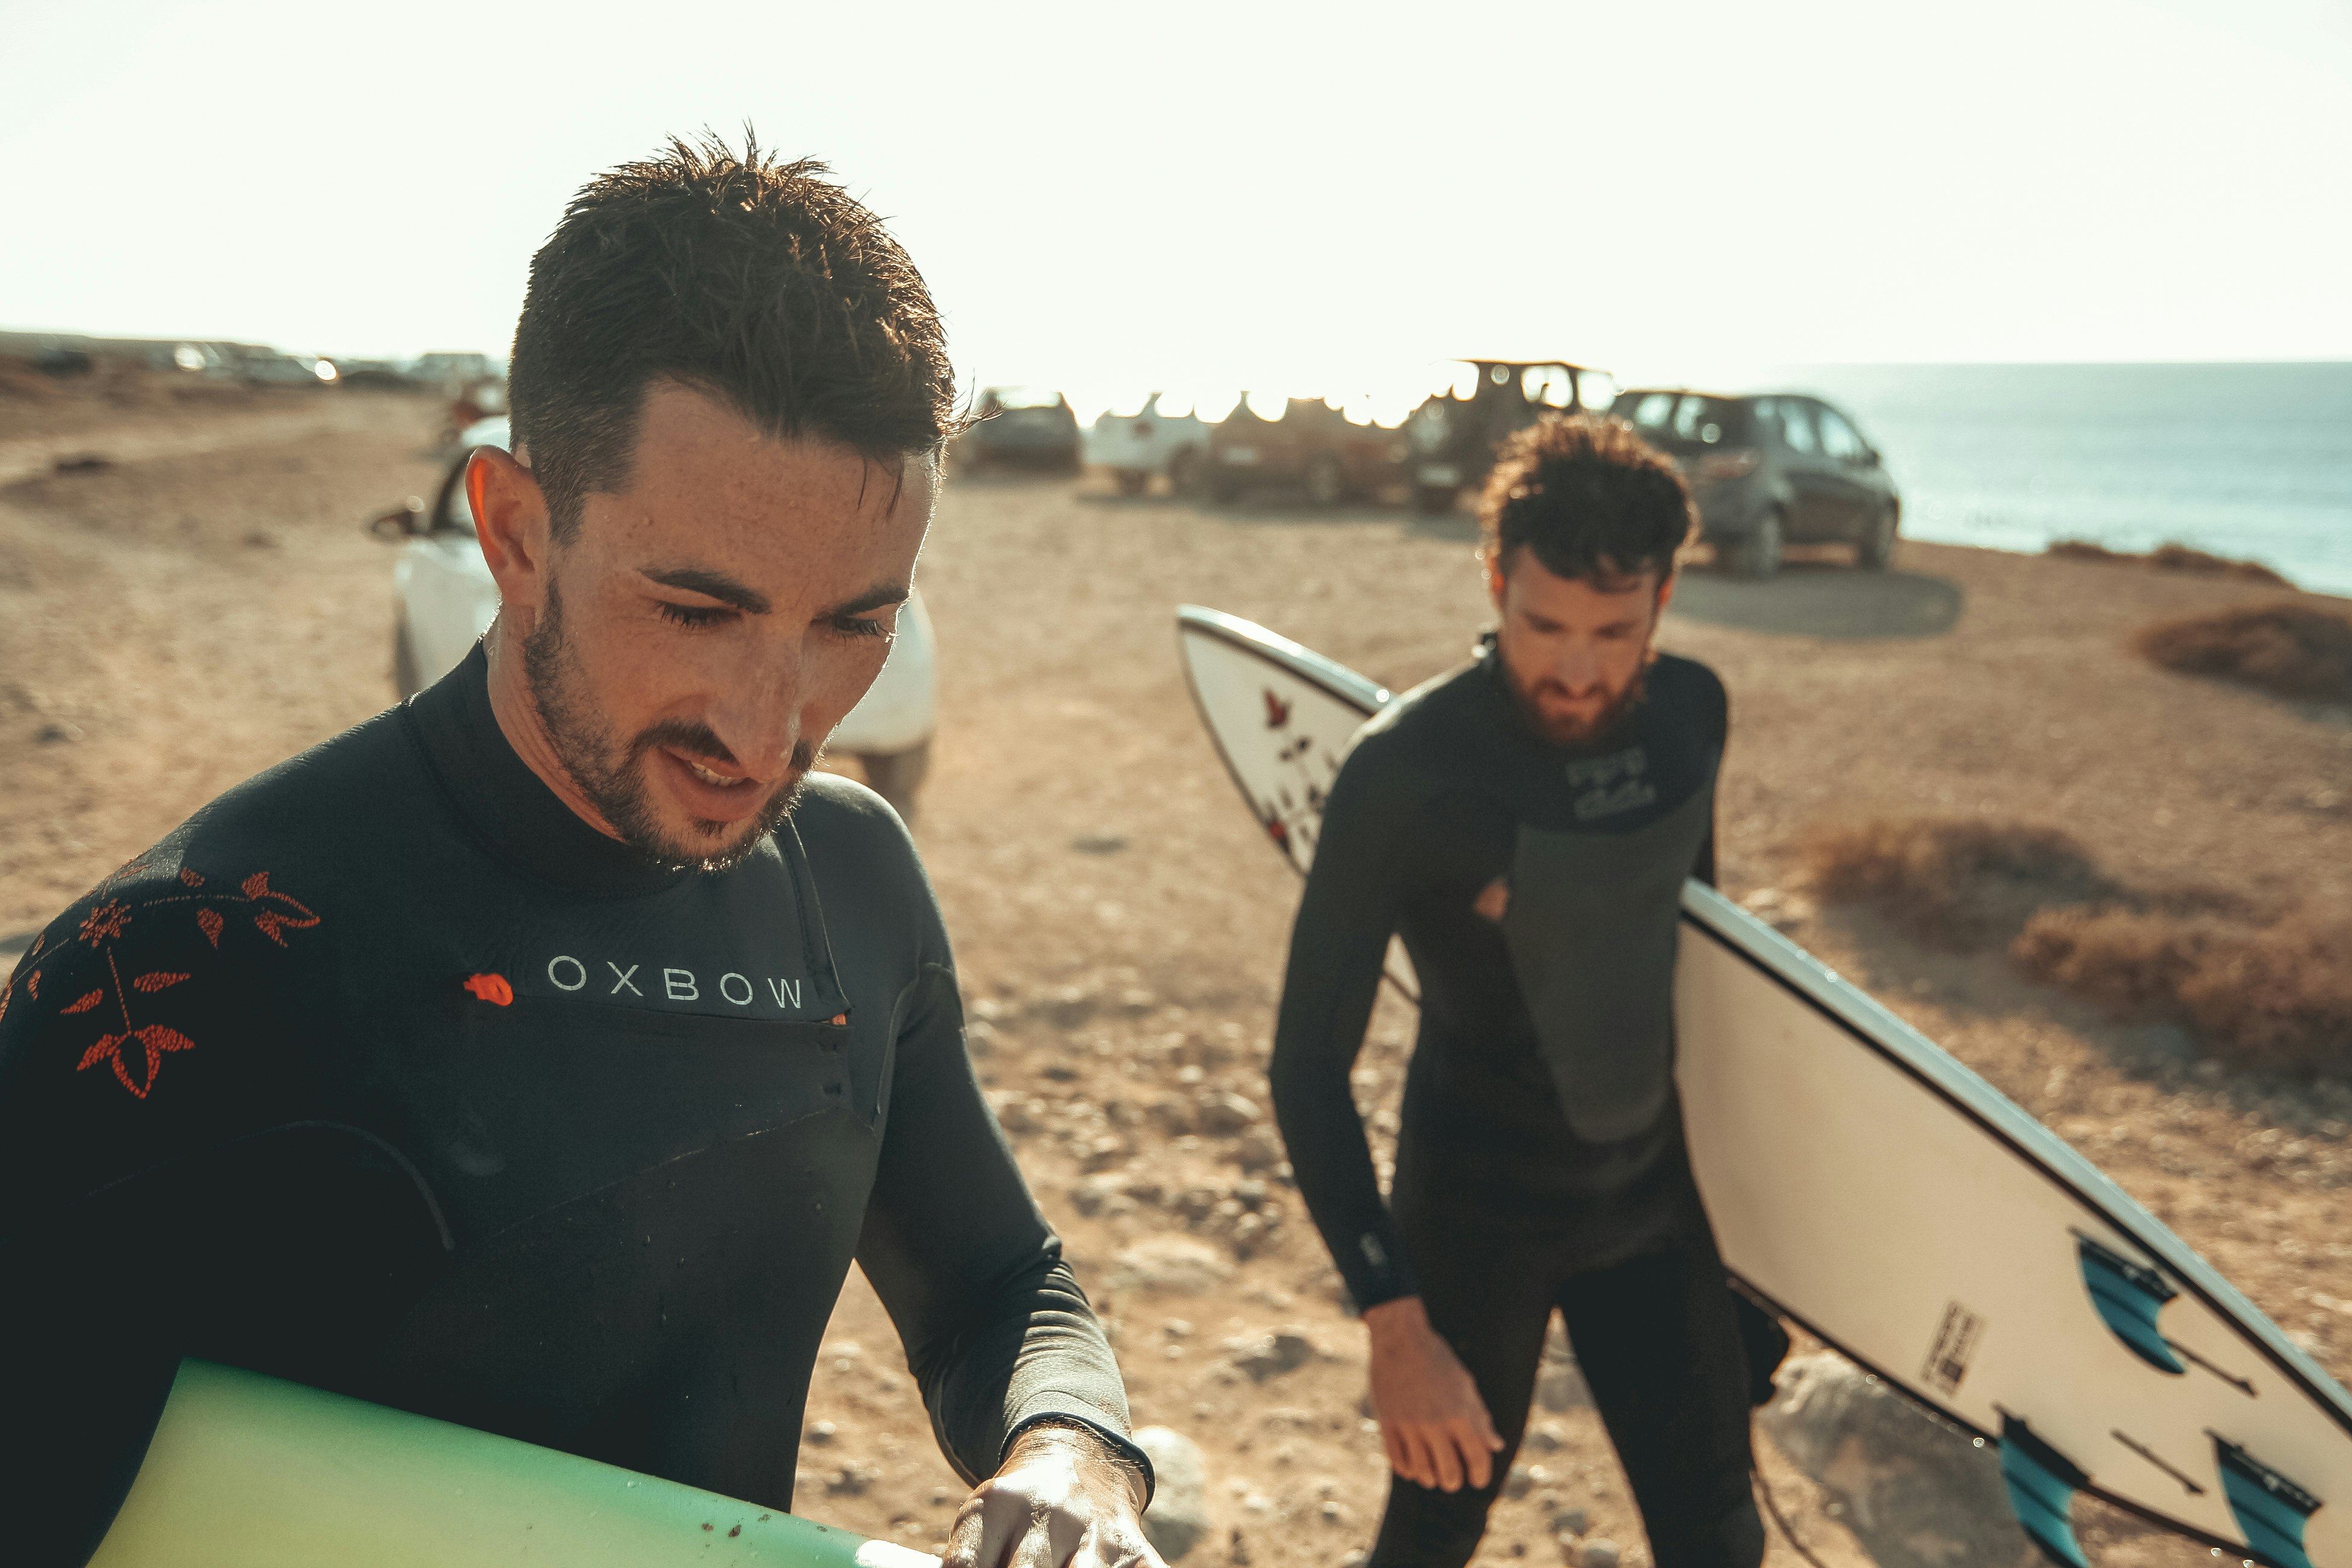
(1651, 410)
(1547, 385)
(1595, 390)
(1839, 438)
(1703, 419)
(1796, 426)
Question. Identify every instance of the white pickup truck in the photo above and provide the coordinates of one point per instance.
(447, 599)
(1137, 443)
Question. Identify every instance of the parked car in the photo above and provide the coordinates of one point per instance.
(1772, 470)
(271, 368)
(1022, 426)
(1136, 444)
(443, 370)
(445, 599)
(370, 375)
(1453, 433)
(1310, 448)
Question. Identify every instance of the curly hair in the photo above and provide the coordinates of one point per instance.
(1590, 497)
(759, 282)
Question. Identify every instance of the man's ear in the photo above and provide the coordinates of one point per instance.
(1666, 590)
(1493, 561)
(511, 522)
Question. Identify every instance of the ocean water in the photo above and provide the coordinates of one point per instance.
(2240, 460)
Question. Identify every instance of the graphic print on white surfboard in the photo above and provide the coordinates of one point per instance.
(1895, 1204)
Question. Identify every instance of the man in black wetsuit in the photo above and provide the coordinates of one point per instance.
(1524, 824)
(539, 1055)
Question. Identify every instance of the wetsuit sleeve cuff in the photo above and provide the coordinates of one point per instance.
(1378, 1273)
(1101, 1422)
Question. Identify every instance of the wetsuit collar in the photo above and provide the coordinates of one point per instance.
(519, 818)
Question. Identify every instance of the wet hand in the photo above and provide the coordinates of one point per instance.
(1433, 1423)
(1063, 1499)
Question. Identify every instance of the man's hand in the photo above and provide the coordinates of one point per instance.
(1433, 1423)
(1063, 1499)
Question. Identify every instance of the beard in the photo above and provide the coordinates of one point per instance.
(1576, 732)
(610, 773)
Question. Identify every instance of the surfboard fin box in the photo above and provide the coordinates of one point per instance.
(2042, 1484)
(2128, 1296)
(2270, 1508)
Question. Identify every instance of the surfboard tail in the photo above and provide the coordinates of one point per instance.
(2127, 1297)
(2270, 1508)
(2042, 1486)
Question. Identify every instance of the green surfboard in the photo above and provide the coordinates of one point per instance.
(248, 1472)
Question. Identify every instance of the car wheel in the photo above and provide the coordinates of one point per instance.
(1875, 551)
(1433, 500)
(1758, 556)
(404, 662)
(1327, 482)
(1133, 482)
(1184, 471)
(896, 775)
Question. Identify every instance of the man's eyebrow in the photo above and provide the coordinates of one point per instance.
(874, 598)
(715, 585)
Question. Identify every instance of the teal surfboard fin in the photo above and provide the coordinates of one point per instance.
(2270, 1508)
(2128, 1297)
(2042, 1486)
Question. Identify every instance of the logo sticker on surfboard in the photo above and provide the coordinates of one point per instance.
(1955, 1341)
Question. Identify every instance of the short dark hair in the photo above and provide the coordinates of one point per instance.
(1590, 497)
(759, 282)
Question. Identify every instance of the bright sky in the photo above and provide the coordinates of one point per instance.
(1260, 194)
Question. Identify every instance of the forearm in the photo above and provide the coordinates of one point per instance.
(1033, 1357)
(998, 1333)
(1332, 1161)
(1327, 1003)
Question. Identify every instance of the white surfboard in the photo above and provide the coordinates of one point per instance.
(1902, 1210)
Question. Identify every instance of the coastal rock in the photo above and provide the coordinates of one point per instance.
(1270, 1355)
(1222, 1115)
(1169, 1265)
(1178, 1519)
(1560, 1383)
(1915, 1493)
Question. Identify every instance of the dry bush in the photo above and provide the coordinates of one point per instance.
(2132, 961)
(2170, 556)
(2174, 557)
(2275, 997)
(1953, 882)
(2289, 648)
(2088, 550)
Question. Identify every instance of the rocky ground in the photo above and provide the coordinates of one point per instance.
(207, 603)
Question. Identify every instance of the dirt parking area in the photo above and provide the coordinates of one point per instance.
(208, 602)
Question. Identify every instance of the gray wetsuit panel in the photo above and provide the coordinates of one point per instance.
(1592, 927)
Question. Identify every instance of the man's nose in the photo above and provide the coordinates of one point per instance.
(1578, 670)
(757, 714)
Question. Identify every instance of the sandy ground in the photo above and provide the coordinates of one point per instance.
(210, 604)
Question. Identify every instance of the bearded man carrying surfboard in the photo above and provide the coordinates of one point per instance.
(1525, 824)
(538, 1055)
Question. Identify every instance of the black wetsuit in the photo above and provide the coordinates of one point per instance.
(386, 1073)
(1540, 1162)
